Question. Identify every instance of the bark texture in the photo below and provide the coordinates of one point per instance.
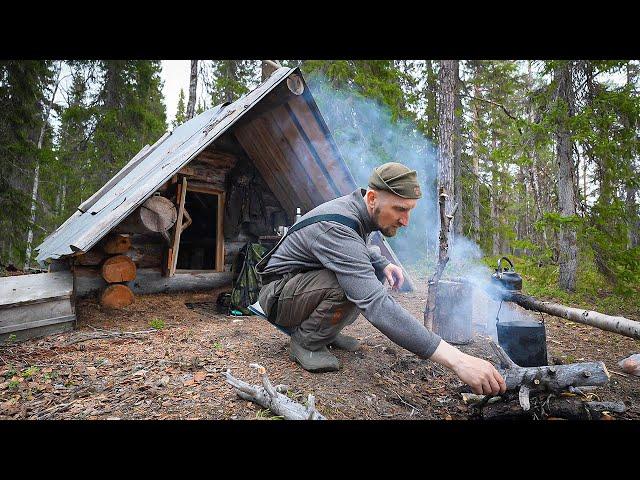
(193, 83)
(567, 248)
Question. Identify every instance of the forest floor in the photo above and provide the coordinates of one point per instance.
(174, 371)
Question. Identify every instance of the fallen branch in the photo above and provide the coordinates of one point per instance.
(549, 378)
(102, 334)
(270, 397)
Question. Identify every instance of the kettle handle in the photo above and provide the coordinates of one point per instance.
(499, 264)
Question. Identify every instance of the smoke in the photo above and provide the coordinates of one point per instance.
(367, 136)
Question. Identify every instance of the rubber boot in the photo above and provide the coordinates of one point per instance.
(345, 342)
(313, 360)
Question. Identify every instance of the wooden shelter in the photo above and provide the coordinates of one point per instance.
(176, 215)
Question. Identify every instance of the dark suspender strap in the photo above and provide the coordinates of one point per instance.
(328, 217)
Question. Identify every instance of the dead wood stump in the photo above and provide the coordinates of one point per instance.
(118, 269)
(453, 314)
(116, 244)
(116, 296)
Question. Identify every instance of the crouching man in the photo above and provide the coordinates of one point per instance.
(322, 274)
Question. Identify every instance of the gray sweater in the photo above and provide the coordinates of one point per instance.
(340, 249)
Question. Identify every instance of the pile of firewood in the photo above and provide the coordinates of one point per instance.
(116, 270)
(547, 392)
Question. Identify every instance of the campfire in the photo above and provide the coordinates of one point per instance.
(536, 389)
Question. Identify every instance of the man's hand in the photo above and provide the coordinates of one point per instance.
(479, 374)
(394, 276)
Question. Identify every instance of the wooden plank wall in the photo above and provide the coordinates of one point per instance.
(36, 305)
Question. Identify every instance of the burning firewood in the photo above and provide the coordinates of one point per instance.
(270, 397)
(561, 391)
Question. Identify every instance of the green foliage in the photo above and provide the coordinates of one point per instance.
(29, 372)
(157, 324)
(181, 111)
(230, 79)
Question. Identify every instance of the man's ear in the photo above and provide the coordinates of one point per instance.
(370, 198)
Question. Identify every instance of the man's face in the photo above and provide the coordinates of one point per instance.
(389, 211)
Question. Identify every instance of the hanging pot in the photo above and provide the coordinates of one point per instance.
(525, 341)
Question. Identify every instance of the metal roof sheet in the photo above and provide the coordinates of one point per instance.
(146, 172)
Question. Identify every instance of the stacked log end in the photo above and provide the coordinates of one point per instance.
(155, 216)
(116, 270)
(116, 295)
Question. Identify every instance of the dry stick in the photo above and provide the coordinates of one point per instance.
(102, 334)
(268, 397)
(443, 258)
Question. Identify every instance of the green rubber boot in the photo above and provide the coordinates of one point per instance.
(313, 361)
(345, 342)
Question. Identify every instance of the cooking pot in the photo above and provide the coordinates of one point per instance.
(507, 278)
(525, 341)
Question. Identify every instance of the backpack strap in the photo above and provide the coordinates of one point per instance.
(328, 217)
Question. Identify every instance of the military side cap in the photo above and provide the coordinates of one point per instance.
(396, 178)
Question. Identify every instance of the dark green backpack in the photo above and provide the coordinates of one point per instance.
(246, 284)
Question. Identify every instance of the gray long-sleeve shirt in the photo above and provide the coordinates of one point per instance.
(334, 246)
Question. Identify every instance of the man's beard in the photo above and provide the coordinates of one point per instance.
(388, 231)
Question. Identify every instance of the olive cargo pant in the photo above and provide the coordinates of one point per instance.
(312, 306)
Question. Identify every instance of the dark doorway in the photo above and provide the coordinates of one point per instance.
(198, 241)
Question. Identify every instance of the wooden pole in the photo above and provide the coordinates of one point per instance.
(443, 258)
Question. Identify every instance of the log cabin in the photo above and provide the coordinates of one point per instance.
(180, 210)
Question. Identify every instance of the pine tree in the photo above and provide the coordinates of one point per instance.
(180, 111)
(22, 98)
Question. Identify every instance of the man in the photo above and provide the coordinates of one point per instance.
(322, 274)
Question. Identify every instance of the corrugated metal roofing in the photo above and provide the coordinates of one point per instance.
(146, 172)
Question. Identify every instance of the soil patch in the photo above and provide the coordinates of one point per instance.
(167, 359)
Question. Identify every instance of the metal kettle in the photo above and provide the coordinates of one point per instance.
(507, 278)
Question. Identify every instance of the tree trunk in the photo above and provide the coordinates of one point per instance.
(447, 83)
(453, 319)
(457, 151)
(118, 269)
(116, 296)
(567, 248)
(475, 196)
(431, 101)
(632, 188)
(193, 83)
(36, 173)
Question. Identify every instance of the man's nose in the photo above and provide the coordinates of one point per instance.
(404, 220)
